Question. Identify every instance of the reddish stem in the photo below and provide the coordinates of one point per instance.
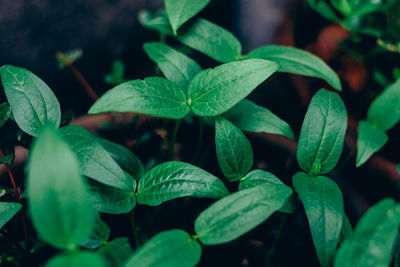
(89, 90)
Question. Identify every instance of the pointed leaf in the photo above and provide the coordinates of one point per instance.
(32, 101)
(173, 179)
(7, 211)
(99, 236)
(153, 96)
(78, 259)
(323, 203)
(58, 202)
(214, 91)
(240, 212)
(116, 252)
(173, 248)
(5, 112)
(322, 134)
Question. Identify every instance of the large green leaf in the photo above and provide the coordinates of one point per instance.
(373, 237)
(95, 161)
(177, 67)
(260, 177)
(173, 248)
(214, 91)
(5, 112)
(248, 116)
(32, 101)
(240, 212)
(99, 236)
(369, 141)
(180, 11)
(77, 259)
(234, 151)
(174, 179)
(322, 134)
(323, 203)
(116, 252)
(384, 111)
(58, 201)
(297, 61)
(153, 96)
(7, 211)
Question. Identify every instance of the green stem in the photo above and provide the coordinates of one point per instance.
(276, 239)
(134, 230)
(173, 140)
(199, 139)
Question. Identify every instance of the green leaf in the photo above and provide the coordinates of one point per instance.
(322, 134)
(180, 11)
(234, 151)
(297, 61)
(214, 91)
(7, 159)
(116, 76)
(173, 248)
(95, 161)
(112, 200)
(384, 111)
(240, 212)
(322, 7)
(77, 259)
(116, 252)
(253, 118)
(99, 236)
(128, 161)
(158, 22)
(369, 141)
(260, 177)
(5, 112)
(153, 96)
(32, 101)
(323, 203)
(174, 179)
(177, 67)
(7, 211)
(347, 229)
(373, 237)
(58, 202)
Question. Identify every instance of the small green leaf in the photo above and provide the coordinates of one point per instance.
(95, 162)
(58, 202)
(7, 211)
(369, 141)
(5, 112)
(373, 237)
(297, 61)
(177, 67)
(116, 252)
(7, 158)
(384, 111)
(214, 91)
(234, 151)
(253, 118)
(99, 236)
(323, 203)
(158, 22)
(116, 76)
(153, 96)
(173, 179)
(68, 58)
(322, 134)
(32, 101)
(260, 177)
(323, 7)
(173, 248)
(240, 212)
(180, 11)
(77, 259)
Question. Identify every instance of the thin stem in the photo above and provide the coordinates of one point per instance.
(134, 230)
(276, 239)
(173, 140)
(199, 139)
(89, 90)
(18, 197)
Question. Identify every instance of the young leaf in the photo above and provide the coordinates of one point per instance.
(7, 211)
(177, 67)
(373, 237)
(33, 103)
(323, 7)
(99, 236)
(322, 134)
(180, 11)
(116, 252)
(173, 248)
(253, 118)
(214, 91)
(116, 76)
(153, 96)
(157, 22)
(323, 203)
(234, 151)
(260, 177)
(5, 112)
(369, 141)
(297, 61)
(58, 202)
(95, 162)
(78, 258)
(173, 179)
(240, 212)
(384, 111)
